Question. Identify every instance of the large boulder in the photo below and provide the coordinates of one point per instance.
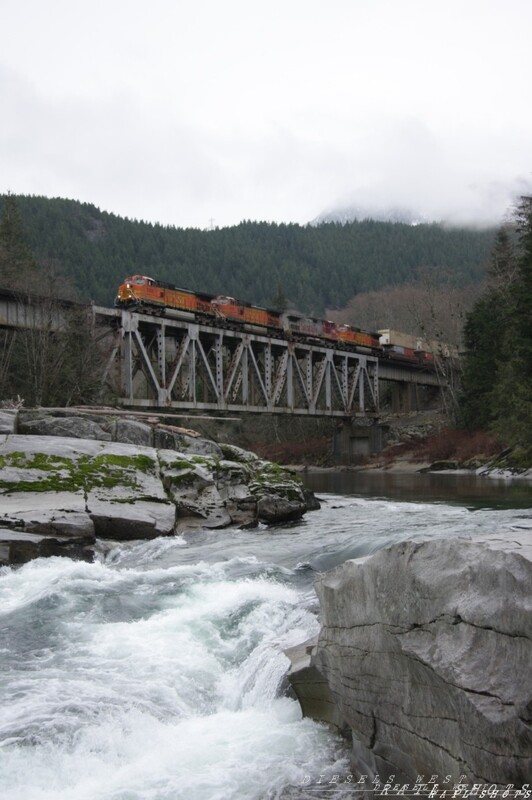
(426, 649)
(167, 437)
(131, 431)
(240, 489)
(17, 547)
(63, 486)
(43, 423)
(48, 513)
(274, 509)
(280, 496)
(109, 425)
(190, 482)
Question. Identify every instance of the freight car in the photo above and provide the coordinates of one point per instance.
(404, 344)
(155, 297)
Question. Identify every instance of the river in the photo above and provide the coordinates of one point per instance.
(157, 672)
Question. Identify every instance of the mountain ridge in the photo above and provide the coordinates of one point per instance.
(315, 266)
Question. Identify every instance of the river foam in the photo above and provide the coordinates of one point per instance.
(161, 683)
(158, 672)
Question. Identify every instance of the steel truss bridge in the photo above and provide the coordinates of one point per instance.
(177, 363)
(166, 362)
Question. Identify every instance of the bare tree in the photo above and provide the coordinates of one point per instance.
(432, 308)
(439, 309)
(59, 358)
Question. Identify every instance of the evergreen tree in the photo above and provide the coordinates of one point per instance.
(484, 346)
(498, 336)
(17, 264)
(486, 337)
(512, 396)
(280, 302)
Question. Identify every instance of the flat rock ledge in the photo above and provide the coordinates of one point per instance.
(424, 657)
(59, 493)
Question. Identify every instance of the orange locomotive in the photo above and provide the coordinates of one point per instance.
(154, 297)
(346, 333)
(147, 294)
(229, 308)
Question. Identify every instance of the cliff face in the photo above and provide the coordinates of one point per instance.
(426, 649)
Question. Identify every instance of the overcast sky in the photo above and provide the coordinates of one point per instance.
(208, 112)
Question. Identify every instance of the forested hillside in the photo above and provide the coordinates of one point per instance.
(311, 267)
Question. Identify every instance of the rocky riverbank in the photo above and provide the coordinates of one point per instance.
(69, 478)
(424, 659)
(427, 443)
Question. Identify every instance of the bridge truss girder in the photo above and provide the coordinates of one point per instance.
(170, 363)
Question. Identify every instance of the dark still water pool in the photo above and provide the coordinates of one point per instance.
(455, 487)
(158, 672)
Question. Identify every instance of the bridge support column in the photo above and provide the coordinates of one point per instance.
(405, 397)
(353, 439)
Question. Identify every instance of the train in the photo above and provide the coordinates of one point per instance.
(147, 295)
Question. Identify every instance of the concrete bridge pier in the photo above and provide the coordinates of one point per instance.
(405, 397)
(356, 438)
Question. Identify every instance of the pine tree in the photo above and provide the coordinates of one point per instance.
(485, 337)
(512, 396)
(483, 343)
(279, 302)
(18, 267)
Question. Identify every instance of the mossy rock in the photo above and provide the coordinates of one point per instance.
(287, 490)
(233, 453)
(438, 466)
(476, 462)
(54, 473)
(519, 459)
